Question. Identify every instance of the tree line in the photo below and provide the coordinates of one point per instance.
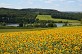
(67, 15)
(8, 15)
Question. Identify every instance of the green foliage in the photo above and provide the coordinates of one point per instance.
(43, 25)
(36, 25)
(81, 21)
(2, 24)
(66, 24)
(54, 25)
(29, 15)
(50, 25)
(67, 15)
(30, 25)
(21, 25)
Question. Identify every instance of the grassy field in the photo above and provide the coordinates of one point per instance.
(48, 17)
(64, 40)
(21, 30)
(33, 29)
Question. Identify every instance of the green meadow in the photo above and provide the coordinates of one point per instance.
(48, 17)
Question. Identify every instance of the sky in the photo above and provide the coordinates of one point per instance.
(61, 5)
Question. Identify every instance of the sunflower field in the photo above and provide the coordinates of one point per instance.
(66, 40)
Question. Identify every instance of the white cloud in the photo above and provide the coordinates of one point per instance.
(29, 1)
(71, 1)
(79, 0)
(51, 1)
(48, 1)
(62, 0)
(5, 5)
(80, 5)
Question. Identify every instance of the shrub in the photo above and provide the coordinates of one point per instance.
(36, 25)
(21, 25)
(43, 25)
(2, 24)
(66, 24)
(54, 25)
(50, 25)
(30, 25)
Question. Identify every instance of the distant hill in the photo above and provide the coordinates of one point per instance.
(29, 15)
(29, 10)
(9, 15)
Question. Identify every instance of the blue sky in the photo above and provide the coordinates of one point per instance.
(61, 5)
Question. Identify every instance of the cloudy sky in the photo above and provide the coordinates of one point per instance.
(61, 5)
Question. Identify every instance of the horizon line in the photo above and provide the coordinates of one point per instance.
(40, 8)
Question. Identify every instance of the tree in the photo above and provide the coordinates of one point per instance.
(21, 25)
(66, 24)
(50, 25)
(3, 24)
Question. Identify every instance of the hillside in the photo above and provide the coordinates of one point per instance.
(28, 10)
(29, 15)
(22, 15)
(48, 17)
